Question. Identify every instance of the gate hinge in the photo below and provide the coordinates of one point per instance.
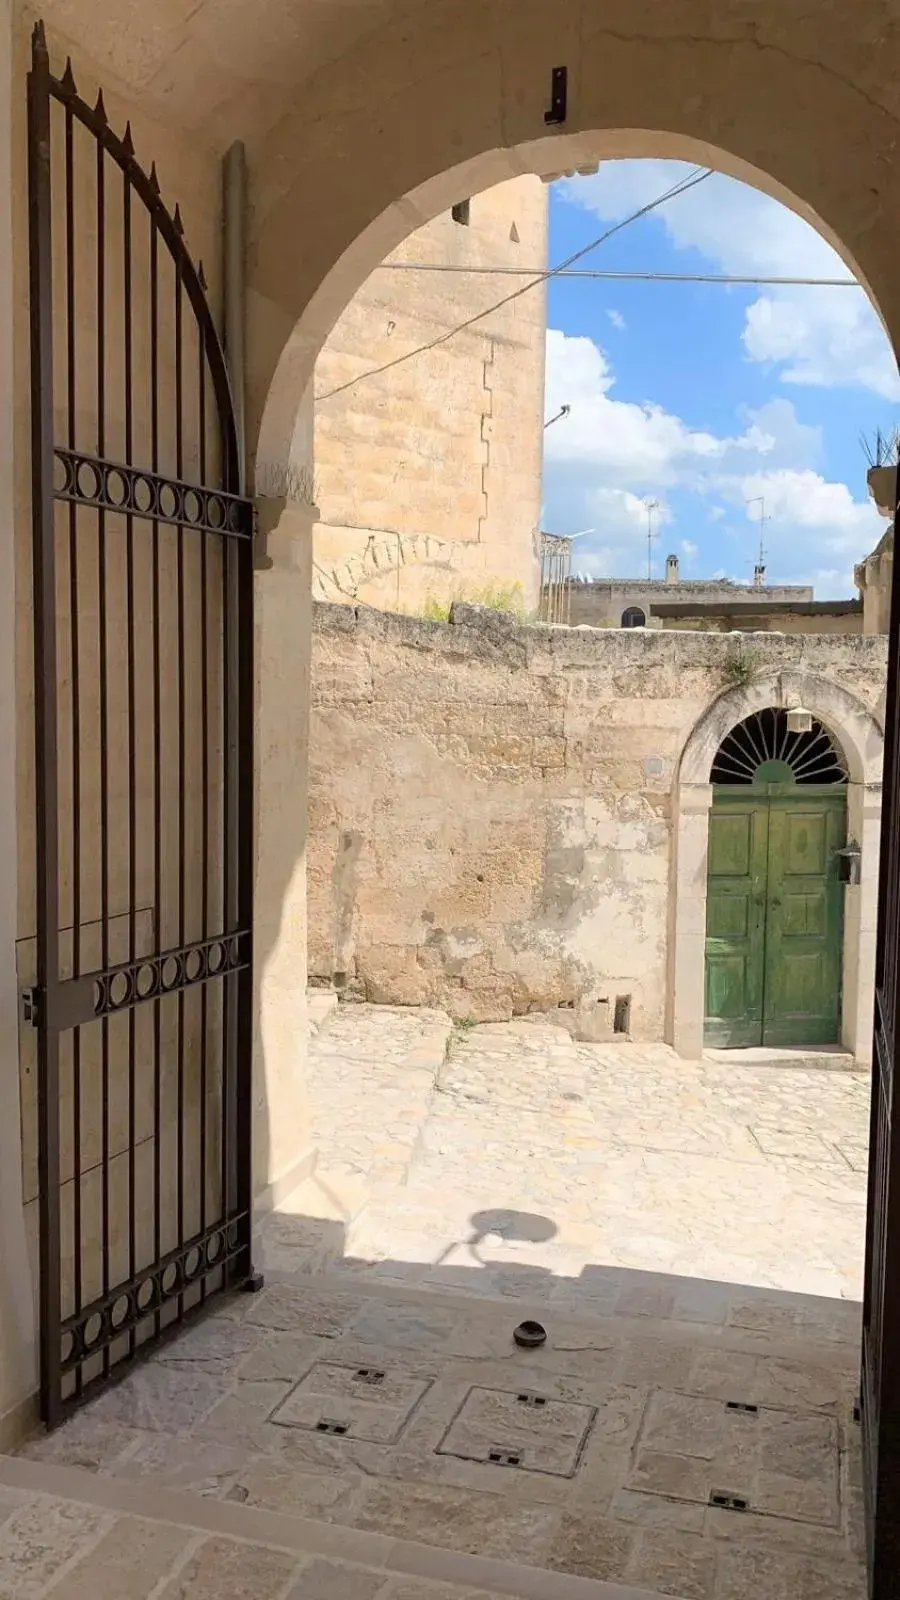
(558, 108)
(31, 1006)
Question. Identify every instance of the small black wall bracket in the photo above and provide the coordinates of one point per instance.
(559, 97)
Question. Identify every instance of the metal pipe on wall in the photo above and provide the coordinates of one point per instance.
(234, 212)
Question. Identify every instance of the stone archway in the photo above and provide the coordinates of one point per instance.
(860, 738)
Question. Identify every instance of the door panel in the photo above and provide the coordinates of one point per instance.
(137, 1076)
(735, 917)
(802, 1002)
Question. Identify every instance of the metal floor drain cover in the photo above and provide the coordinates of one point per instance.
(728, 1502)
(739, 1456)
(519, 1429)
(352, 1402)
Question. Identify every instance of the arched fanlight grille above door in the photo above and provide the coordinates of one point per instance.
(762, 749)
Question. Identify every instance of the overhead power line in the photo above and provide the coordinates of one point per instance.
(699, 175)
(606, 272)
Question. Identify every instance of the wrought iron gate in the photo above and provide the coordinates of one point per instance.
(143, 625)
(880, 1376)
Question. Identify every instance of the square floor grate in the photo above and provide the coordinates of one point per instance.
(740, 1457)
(519, 1428)
(368, 1403)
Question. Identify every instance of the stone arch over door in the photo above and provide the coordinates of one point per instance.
(860, 738)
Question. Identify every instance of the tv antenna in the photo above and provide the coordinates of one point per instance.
(650, 506)
(759, 571)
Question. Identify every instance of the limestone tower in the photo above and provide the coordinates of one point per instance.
(428, 475)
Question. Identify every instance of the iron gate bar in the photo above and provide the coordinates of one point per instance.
(234, 516)
(82, 1349)
(214, 1248)
(76, 721)
(45, 709)
(879, 1375)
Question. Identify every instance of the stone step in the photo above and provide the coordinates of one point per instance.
(826, 1058)
(111, 1535)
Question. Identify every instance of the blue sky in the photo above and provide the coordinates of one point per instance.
(704, 397)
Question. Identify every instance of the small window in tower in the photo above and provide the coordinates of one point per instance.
(513, 234)
(460, 212)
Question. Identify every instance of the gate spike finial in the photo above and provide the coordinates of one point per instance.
(179, 225)
(154, 179)
(127, 141)
(39, 51)
(100, 109)
(67, 80)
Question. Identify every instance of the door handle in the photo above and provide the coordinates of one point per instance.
(775, 904)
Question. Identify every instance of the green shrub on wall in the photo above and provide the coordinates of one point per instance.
(496, 597)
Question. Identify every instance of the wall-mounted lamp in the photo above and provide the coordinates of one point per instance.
(849, 861)
(799, 720)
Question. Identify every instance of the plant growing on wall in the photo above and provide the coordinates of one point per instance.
(741, 667)
(881, 449)
(499, 597)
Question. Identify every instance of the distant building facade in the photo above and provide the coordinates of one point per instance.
(716, 603)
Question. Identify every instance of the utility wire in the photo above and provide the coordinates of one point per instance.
(699, 175)
(605, 272)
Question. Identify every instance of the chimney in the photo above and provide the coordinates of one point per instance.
(671, 569)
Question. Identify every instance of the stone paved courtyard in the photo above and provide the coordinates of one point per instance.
(621, 1156)
(366, 1428)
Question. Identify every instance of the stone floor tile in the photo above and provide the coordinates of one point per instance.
(212, 1344)
(11, 1501)
(40, 1539)
(750, 1572)
(653, 1511)
(319, 1579)
(673, 1562)
(242, 1417)
(129, 1563)
(423, 1589)
(158, 1397)
(86, 1440)
(204, 1467)
(402, 1327)
(302, 1311)
(223, 1567)
(277, 1483)
(592, 1546)
(458, 1519)
(280, 1356)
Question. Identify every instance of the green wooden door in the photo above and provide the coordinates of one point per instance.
(802, 987)
(735, 918)
(774, 915)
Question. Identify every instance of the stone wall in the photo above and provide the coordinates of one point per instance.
(491, 805)
(428, 476)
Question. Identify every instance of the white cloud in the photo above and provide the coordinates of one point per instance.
(608, 456)
(617, 319)
(803, 502)
(640, 446)
(821, 336)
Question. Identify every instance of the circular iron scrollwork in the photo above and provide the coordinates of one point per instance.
(763, 749)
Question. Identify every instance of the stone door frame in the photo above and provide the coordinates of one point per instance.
(860, 737)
